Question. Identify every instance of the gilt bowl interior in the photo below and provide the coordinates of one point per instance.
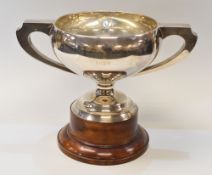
(105, 24)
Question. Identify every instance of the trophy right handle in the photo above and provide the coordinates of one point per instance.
(182, 30)
(24, 38)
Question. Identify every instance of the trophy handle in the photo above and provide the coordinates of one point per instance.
(23, 35)
(182, 30)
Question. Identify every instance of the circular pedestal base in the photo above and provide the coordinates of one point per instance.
(101, 155)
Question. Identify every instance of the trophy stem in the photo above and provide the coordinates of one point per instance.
(104, 90)
(105, 81)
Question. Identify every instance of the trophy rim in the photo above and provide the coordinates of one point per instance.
(153, 27)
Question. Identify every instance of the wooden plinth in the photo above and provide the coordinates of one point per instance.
(103, 143)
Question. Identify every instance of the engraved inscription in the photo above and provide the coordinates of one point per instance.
(103, 62)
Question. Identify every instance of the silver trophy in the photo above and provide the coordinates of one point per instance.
(105, 47)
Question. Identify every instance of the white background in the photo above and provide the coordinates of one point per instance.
(175, 103)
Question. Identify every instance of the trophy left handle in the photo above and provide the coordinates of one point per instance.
(24, 38)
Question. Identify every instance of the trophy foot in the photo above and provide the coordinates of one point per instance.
(103, 130)
(103, 155)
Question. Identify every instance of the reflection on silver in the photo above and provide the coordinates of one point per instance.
(105, 109)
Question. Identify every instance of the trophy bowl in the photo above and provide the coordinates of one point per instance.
(105, 41)
(105, 47)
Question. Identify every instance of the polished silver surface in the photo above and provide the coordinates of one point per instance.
(181, 30)
(23, 35)
(105, 41)
(106, 47)
(105, 108)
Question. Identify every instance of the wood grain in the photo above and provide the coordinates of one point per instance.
(103, 143)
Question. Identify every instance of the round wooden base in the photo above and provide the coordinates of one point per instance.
(99, 154)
